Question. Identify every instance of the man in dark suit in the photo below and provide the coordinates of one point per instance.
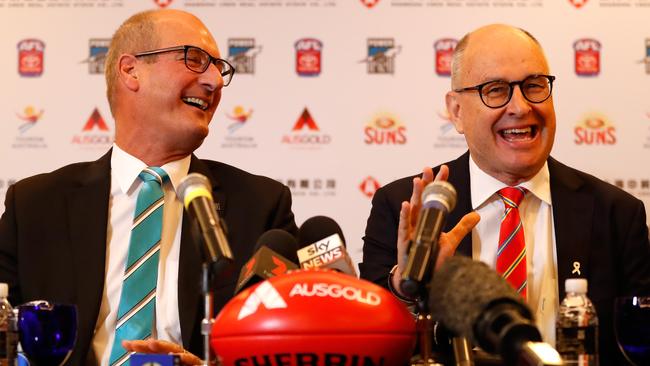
(574, 225)
(64, 235)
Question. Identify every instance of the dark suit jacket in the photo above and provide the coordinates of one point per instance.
(53, 239)
(596, 224)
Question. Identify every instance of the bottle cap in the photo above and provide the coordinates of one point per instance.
(4, 290)
(578, 285)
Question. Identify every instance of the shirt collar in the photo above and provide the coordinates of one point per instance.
(484, 186)
(126, 168)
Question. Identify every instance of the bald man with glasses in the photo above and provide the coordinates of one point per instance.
(532, 218)
(69, 236)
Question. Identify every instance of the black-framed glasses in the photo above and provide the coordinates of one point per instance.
(497, 93)
(197, 60)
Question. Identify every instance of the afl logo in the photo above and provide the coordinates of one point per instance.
(587, 57)
(308, 56)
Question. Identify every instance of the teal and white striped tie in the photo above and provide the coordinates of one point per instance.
(135, 315)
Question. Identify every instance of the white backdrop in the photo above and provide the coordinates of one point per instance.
(368, 81)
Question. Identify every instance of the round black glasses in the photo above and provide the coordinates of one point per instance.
(197, 60)
(497, 93)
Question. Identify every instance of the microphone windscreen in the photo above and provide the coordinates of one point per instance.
(462, 289)
(317, 228)
(280, 242)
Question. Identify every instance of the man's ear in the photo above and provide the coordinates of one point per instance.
(128, 72)
(454, 110)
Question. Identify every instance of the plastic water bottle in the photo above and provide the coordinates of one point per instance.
(577, 326)
(8, 334)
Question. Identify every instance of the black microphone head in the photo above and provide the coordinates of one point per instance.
(317, 228)
(439, 193)
(463, 289)
(280, 242)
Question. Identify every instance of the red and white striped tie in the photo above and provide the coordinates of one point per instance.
(511, 255)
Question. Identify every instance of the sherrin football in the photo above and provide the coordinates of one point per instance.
(314, 318)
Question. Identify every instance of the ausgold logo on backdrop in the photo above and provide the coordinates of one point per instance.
(444, 50)
(385, 129)
(29, 117)
(587, 57)
(308, 56)
(595, 129)
(369, 185)
(97, 50)
(94, 133)
(31, 56)
(240, 117)
(381, 55)
(242, 53)
(305, 133)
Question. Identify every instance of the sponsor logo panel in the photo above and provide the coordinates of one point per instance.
(31, 57)
(587, 57)
(306, 133)
(368, 186)
(595, 129)
(97, 50)
(309, 54)
(95, 133)
(444, 50)
(162, 3)
(381, 53)
(27, 138)
(578, 3)
(385, 129)
(310, 186)
(369, 3)
(239, 118)
(242, 53)
(639, 187)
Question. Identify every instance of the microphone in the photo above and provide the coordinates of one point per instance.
(275, 254)
(323, 246)
(195, 191)
(438, 200)
(473, 301)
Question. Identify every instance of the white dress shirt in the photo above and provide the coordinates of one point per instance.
(536, 212)
(125, 186)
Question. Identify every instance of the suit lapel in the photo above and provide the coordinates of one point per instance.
(87, 213)
(191, 259)
(572, 217)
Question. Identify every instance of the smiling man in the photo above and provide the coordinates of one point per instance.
(67, 236)
(541, 222)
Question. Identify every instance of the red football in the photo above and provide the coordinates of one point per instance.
(314, 317)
